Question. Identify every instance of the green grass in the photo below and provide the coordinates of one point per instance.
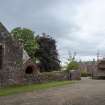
(11, 90)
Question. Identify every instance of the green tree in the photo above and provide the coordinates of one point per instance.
(72, 63)
(28, 38)
(47, 53)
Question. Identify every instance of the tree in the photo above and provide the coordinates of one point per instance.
(72, 63)
(28, 38)
(47, 53)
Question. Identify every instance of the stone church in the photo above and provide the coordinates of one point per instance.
(16, 66)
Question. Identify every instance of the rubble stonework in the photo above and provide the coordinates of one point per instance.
(12, 65)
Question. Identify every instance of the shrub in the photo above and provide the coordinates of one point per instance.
(84, 74)
(73, 65)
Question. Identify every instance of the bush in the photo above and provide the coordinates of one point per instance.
(84, 74)
(73, 65)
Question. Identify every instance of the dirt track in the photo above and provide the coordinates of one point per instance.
(86, 92)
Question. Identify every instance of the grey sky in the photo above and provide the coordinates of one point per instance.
(77, 25)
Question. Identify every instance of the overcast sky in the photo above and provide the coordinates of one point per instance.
(77, 25)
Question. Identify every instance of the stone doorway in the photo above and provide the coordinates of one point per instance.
(29, 70)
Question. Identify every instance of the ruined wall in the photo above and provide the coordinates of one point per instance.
(11, 72)
(45, 77)
(12, 68)
(51, 76)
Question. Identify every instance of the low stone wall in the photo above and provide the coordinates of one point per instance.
(49, 76)
(45, 77)
(52, 76)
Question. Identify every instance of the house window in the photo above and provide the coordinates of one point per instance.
(1, 56)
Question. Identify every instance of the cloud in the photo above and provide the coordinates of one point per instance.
(77, 25)
(89, 29)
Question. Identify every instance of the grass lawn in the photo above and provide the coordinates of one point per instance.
(33, 87)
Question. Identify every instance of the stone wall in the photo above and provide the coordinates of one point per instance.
(52, 76)
(10, 59)
(12, 63)
(44, 77)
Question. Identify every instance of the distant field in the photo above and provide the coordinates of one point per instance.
(33, 87)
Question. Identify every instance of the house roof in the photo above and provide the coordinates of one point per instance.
(3, 32)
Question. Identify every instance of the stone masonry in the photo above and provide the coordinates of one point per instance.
(12, 67)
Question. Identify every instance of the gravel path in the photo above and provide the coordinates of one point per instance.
(85, 92)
